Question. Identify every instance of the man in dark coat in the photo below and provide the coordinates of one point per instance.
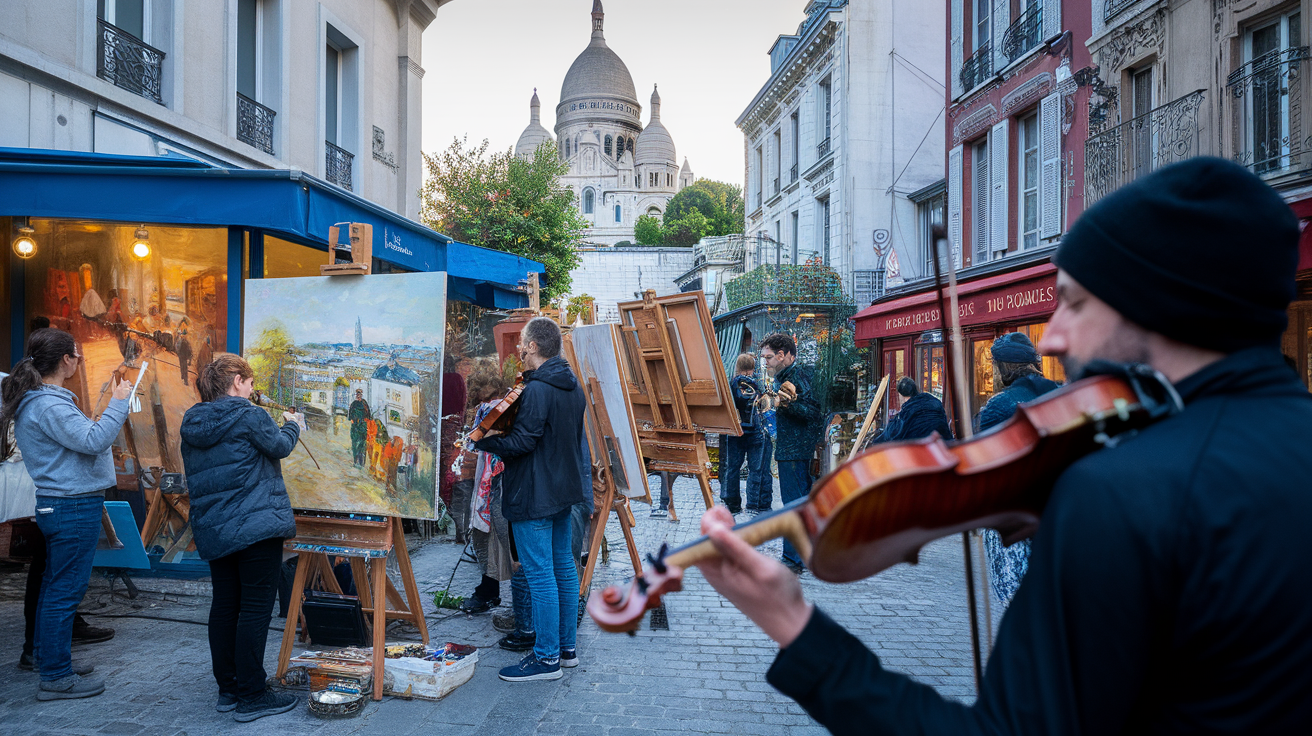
(750, 446)
(1016, 367)
(921, 415)
(359, 415)
(797, 425)
(1169, 590)
(543, 453)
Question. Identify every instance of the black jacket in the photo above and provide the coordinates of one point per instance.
(1003, 404)
(745, 390)
(798, 423)
(230, 450)
(1169, 591)
(920, 416)
(543, 451)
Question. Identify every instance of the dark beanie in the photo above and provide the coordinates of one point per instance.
(1014, 347)
(1201, 251)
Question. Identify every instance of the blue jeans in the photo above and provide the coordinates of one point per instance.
(548, 563)
(760, 483)
(521, 602)
(794, 483)
(71, 526)
(667, 480)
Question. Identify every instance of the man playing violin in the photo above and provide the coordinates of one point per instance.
(797, 425)
(1170, 589)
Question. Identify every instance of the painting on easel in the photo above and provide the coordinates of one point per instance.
(362, 358)
(596, 349)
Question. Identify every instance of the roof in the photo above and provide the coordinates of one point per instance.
(534, 135)
(599, 71)
(655, 144)
(287, 203)
(397, 374)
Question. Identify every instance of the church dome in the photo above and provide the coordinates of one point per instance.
(655, 145)
(599, 84)
(534, 135)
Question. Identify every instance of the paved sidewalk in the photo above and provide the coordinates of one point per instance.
(705, 674)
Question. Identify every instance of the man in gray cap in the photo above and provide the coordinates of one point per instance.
(1169, 590)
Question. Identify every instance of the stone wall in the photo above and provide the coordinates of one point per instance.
(612, 275)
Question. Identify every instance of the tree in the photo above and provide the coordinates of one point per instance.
(272, 357)
(719, 203)
(507, 203)
(689, 229)
(648, 231)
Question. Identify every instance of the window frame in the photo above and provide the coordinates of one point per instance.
(1023, 147)
(1284, 159)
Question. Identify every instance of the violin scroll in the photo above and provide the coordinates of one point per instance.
(617, 610)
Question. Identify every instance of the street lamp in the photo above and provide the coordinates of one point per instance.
(141, 243)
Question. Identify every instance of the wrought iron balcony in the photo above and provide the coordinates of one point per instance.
(1113, 8)
(255, 123)
(128, 62)
(1140, 146)
(978, 68)
(1024, 34)
(792, 175)
(822, 149)
(1266, 121)
(337, 165)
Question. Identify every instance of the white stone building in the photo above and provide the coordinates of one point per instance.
(619, 169)
(611, 275)
(329, 87)
(848, 124)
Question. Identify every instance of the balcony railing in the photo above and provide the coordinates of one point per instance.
(1267, 124)
(978, 67)
(337, 165)
(1140, 146)
(1023, 35)
(792, 175)
(255, 123)
(1113, 8)
(822, 149)
(128, 62)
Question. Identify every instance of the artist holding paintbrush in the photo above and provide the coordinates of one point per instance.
(240, 515)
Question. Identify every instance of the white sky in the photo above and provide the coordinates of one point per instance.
(484, 57)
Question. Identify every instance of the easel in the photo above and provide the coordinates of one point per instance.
(366, 543)
(611, 499)
(671, 442)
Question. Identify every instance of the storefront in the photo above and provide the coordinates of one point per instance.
(1297, 342)
(905, 333)
(147, 259)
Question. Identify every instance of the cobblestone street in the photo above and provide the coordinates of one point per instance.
(705, 674)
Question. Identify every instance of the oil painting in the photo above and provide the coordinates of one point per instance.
(362, 358)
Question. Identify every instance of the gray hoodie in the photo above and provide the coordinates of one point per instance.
(66, 453)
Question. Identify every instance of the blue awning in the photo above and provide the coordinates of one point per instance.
(287, 204)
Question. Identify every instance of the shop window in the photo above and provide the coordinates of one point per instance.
(130, 294)
(982, 388)
(895, 365)
(284, 259)
(929, 365)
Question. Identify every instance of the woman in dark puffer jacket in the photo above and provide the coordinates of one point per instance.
(240, 515)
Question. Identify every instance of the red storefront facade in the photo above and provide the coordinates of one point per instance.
(1297, 342)
(906, 333)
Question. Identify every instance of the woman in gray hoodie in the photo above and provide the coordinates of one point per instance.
(69, 459)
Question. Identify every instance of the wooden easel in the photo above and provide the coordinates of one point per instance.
(366, 543)
(597, 418)
(671, 442)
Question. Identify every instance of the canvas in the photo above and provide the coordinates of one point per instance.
(362, 358)
(596, 357)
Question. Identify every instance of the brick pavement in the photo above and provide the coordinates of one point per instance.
(705, 674)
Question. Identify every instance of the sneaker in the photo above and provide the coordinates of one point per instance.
(503, 622)
(518, 642)
(473, 604)
(69, 688)
(227, 703)
(797, 568)
(28, 662)
(85, 633)
(268, 703)
(569, 657)
(659, 513)
(531, 668)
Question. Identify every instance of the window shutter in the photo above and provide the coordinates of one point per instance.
(1050, 184)
(954, 206)
(979, 212)
(1001, 20)
(1051, 19)
(998, 150)
(958, 21)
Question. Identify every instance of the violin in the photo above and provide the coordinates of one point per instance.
(882, 506)
(500, 418)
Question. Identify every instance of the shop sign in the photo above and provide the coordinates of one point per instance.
(1032, 297)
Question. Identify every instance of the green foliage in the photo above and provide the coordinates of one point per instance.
(649, 231)
(719, 203)
(688, 229)
(272, 353)
(504, 202)
(577, 306)
(810, 283)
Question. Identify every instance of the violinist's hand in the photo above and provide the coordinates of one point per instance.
(760, 587)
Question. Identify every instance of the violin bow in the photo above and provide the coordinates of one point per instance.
(954, 367)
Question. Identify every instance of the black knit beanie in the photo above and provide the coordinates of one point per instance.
(1201, 251)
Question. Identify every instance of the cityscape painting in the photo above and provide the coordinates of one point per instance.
(361, 357)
